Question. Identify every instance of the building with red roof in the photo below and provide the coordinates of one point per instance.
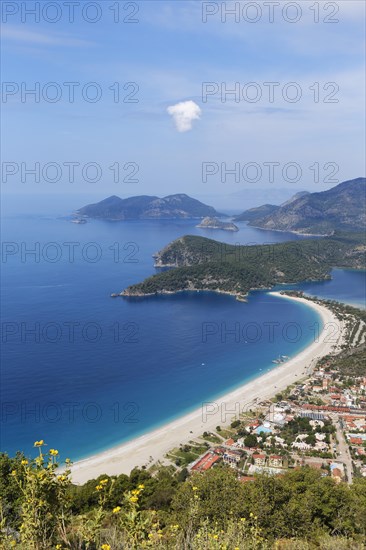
(259, 459)
(276, 461)
(205, 462)
(354, 440)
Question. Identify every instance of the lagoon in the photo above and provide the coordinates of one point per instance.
(85, 372)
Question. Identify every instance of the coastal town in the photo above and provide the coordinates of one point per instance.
(319, 422)
(308, 410)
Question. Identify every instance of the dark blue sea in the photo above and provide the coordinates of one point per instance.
(86, 372)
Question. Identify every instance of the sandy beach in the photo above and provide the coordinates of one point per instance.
(152, 446)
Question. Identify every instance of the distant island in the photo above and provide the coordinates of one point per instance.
(144, 207)
(203, 264)
(215, 223)
(341, 208)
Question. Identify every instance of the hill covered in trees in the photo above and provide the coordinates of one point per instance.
(205, 264)
(301, 510)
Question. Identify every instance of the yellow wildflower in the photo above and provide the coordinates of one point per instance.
(195, 488)
(216, 536)
(251, 514)
(39, 443)
(141, 486)
(61, 478)
(133, 499)
(99, 487)
(24, 462)
(14, 473)
(13, 543)
(53, 452)
(105, 547)
(116, 509)
(243, 519)
(67, 460)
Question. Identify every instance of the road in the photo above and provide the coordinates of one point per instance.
(343, 449)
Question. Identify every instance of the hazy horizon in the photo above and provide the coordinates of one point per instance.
(180, 99)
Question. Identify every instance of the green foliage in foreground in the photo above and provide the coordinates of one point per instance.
(42, 510)
(205, 264)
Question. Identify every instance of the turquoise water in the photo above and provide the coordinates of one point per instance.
(347, 285)
(85, 372)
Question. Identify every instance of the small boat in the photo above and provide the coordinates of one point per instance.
(78, 219)
(280, 359)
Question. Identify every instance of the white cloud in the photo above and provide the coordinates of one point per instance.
(184, 113)
(18, 34)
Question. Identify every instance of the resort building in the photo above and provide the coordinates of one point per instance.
(232, 458)
(337, 471)
(259, 459)
(205, 462)
(275, 461)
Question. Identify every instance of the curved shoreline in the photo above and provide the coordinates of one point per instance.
(156, 443)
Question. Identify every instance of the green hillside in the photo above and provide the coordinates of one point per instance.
(300, 510)
(205, 264)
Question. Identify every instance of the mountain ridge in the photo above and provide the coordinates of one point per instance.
(266, 209)
(177, 206)
(342, 207)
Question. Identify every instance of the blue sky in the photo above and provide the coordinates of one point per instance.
(169, 53)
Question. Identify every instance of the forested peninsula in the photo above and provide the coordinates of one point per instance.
(202, 264)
